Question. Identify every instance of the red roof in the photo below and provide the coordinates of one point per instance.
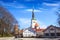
(36, 25)
(38, 30)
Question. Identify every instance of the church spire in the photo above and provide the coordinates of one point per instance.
(33, 14)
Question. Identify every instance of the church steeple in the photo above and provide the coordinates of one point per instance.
(33, 16)
(34, 23)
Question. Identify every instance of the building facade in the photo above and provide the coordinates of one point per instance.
(40, 33)
(29, 33)
(52, 31)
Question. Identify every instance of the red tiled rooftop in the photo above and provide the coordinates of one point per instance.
(36, 25)
(38, 30)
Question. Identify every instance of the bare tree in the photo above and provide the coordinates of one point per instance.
(58, 14)
(7, 21)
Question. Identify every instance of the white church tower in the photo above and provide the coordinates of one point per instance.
(34, 23)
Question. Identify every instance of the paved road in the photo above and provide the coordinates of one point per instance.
(12, 38)
(37, 39)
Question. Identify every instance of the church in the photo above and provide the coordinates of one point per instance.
(31, 31)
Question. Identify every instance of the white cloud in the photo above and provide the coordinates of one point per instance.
(51, 4)
(26, 22)
(30, 10)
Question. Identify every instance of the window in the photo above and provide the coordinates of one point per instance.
(52, 34)
(58, 34)
(46, 34)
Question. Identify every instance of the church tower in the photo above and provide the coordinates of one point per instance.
(34, 23)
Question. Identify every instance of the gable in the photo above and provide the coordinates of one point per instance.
(26, 30)
(29, 31)
(50, 28)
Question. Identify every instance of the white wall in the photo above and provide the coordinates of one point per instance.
(28, 33)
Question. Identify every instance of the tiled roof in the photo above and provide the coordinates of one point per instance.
(38, 30)
(30, 29)
(52, 26)
(36, 25)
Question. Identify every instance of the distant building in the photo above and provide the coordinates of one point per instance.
(52, 31)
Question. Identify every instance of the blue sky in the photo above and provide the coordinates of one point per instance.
(22, 10)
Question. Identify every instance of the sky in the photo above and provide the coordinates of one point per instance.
(44, 10)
